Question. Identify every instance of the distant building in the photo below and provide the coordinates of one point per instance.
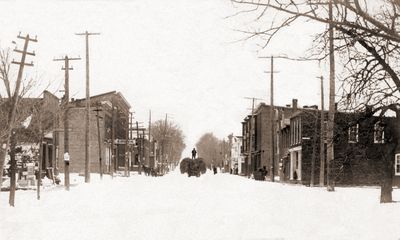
(261, 146)
(236, 158)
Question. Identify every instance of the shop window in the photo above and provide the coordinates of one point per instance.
(397, 165)
(353, 134)
(379, 133)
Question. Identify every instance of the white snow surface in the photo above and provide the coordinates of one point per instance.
(176, 207)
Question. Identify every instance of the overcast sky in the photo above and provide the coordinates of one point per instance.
(175, 57)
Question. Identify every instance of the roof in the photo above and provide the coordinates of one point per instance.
(119, 94)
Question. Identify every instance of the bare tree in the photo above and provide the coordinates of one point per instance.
(367, 40)
(171, 139)
(210, 148)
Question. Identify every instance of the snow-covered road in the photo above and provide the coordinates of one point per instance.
(218, 206)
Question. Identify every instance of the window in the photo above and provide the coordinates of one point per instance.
(353, 134)
(397, 165)
(379, 132)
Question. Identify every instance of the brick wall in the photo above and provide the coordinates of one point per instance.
(358, 163)
(77, 141)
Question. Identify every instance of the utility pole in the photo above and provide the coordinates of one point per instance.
(11, 116)
(250, 158)
(112, 139)
(131, 137)
(87, 160)
(66, 69)
(127, 147)
(314, 150)
(97, 110)
(249, 150)
(150, 145)
(272, 116)
(331, 113)
(138, 147)
(322, 138)
(163, 143)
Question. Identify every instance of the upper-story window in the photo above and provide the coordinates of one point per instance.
(295, 131)
(353, 134)
(397, 165)
(379, 132)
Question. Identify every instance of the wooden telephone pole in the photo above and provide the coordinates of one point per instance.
(322, 138)
(97, 110)
(126, 172)
(331, 113)
(250, 155)
(112, 166)
(138, 148)
(132, 158)
(250, 147)
(87, 160)
(163, 144)
(272, 117)
(150, 145)
(66, 69)
(11, 116)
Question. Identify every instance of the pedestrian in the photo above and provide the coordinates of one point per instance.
(194, 153)
(265, 171)
(215, 169)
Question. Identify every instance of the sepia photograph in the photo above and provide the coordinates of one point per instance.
(200, 119)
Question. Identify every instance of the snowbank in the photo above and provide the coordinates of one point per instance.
(220, 206)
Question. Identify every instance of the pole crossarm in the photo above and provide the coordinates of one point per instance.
(86, 33)
(27, 53)
(27, 38)
(22, 63)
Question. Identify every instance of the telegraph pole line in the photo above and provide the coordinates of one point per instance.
(331, 112)
(112, 140)
(163, 143)
(250, 158)
(127, 147)
(272, 117)
(150, 145)
(322, 138)
(97, 110)
(66, 69)
(139, 152)
(87, 160)
(11, 116)
(131, 138)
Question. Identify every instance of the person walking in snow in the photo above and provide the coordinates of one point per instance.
(194, 153)
(215, 169)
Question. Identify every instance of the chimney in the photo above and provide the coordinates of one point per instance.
(368, 110)
(294, 104)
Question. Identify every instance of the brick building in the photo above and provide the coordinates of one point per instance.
(360, 147)
(261, 126)
(361, 144)
(113, 124)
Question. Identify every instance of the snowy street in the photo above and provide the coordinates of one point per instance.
(210, 207)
